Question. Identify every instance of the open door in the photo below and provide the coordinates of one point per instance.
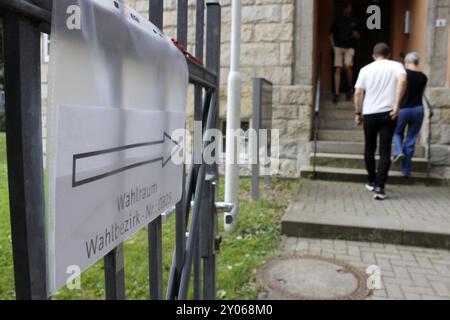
(327, 11)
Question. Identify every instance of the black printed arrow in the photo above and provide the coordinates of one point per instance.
(166, 138)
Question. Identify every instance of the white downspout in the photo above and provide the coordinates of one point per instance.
(233, 117)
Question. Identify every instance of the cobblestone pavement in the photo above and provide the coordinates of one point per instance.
(417, 202)
(409, 273)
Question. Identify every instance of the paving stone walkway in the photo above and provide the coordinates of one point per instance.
(342, 221)
(412, 215)
(352, 199)
(408, 273)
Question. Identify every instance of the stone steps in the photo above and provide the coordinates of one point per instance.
(360, 175)
(350, 147)
(382, 229)
(351, 161)
(338, 124)
(337, 113)
(329, 105)
(341, 135)
(340, 149)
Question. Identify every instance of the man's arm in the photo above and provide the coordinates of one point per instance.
(402, 83)
(356, 35)
(332, 31)
(355, 32)
(359, 97)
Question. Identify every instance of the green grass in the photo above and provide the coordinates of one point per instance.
(255, 240)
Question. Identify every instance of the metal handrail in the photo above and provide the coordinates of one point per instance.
(28, 9)
(198, 74)
(430, 117)
(317, 113)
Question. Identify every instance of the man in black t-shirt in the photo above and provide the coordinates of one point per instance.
(343, 36)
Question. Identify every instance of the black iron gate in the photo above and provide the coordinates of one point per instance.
(24, 21)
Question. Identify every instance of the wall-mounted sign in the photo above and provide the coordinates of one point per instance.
(441, 23)
(117, 95)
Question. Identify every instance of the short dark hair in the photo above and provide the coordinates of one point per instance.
(381, 50)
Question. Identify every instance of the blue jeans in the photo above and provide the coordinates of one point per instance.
(413, 119)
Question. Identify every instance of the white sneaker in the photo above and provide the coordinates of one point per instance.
(379, 194)
(397, 158)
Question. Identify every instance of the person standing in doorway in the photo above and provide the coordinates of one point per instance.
(380, 89)
(412, 114)
(343, 37)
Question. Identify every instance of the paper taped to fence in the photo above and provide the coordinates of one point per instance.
(117, 95)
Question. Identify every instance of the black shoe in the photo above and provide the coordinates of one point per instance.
(379, 194)
(336, 98)
(398, 157)
(370, 186)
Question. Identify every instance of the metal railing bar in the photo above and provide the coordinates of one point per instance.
(182, 22)
(198, 97)
(208, 214)
(156, 13)
(115, 274)
(156, 16)
(221, 207)
(27, 9)
(24, 156)
(430, 135)
(184, 283)
(181, 213)
(213, 43)
(317, 114)
(201, 76)
(186, 270)
(190, 186)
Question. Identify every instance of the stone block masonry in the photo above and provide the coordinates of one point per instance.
(267, 51)
(278, 44)
(440, 131)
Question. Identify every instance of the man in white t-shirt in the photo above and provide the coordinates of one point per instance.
(379, 91)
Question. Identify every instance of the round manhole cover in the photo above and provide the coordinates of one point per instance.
(313, 278)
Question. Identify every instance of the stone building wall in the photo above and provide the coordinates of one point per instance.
(440, 124)
(438, 61)
(267, 51)
(278, 44)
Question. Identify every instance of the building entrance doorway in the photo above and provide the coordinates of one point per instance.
(393, 17)
(369, 38)
(330, 9)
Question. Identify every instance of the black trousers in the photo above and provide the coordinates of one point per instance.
(378, 125)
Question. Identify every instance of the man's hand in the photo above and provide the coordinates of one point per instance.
(402, 83)
(359, 97)
(394, 114)
(356, 35)
(332, 42)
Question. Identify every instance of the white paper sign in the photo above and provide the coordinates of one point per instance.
(117, 101)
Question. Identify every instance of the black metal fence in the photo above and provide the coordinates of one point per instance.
(23, 22)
